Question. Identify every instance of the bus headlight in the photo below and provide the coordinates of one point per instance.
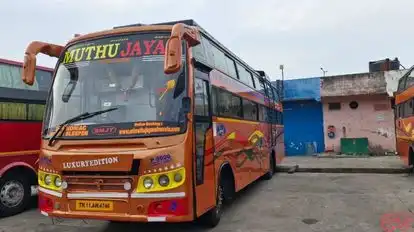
(148, 182)
(48, 179)
(178, 177)
(58, 182)
(163, 180)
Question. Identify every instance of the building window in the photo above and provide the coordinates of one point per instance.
(353, 105)
(380, 107)
(334, 106)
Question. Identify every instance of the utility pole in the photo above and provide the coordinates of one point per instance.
(324, 72)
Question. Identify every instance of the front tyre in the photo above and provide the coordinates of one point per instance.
(271, 171)
(15, 195)
(212, 218)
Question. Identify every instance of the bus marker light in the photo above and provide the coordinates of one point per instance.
(45, 204)
(127, 186)
(64, 185)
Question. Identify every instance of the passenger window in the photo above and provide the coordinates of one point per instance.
(208, 51)
(35, 112)
(256, 82)
(219, 59)
(409, 81)
(198, 53)
(262, 113)
(249, 110)
(231, 69)
(214, 102)
(200, 98)
(13, 111)
(401, 84)
(228, 104)
(408, 109)
(245, 76)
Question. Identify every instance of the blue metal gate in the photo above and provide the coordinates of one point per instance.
(303, 122)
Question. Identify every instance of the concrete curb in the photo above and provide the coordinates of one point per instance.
(297, 168)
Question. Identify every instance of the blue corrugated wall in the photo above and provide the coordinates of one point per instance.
(300, 89)
(303, 122)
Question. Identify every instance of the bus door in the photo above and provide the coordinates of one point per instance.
(205, 186)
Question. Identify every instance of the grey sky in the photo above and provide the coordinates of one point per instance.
(341, 36)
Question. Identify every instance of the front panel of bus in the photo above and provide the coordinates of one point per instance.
(122, 155)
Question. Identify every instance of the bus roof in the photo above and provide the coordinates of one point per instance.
(192, 22)
(20, 64)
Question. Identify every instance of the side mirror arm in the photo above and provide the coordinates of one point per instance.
(34, 48)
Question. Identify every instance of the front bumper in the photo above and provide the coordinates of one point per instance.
(123, 206)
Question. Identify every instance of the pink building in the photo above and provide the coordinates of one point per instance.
(358, 107)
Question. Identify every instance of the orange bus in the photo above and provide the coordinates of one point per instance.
(404, 118)
(153, 123)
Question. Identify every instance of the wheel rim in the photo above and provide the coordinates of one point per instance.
(11, 194)
(219, 200)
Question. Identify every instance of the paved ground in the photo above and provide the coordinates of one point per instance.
(289, 202)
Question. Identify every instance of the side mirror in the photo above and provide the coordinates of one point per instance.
(29, 64)
(29, 68)
(173, 51)
(173, 61)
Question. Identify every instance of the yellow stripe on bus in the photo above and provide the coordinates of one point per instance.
(236, 120)
(28, 152)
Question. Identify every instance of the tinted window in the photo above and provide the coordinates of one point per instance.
(231, 69)
(21, 111)
(249, 110)
(35, 112)
(214, 102)
(198, 52)
(409, 81)
(44, 79)
(13, 111)
(401, 84)
(408, 108)
(208, 51)
(219, 59)
(200, 98)
(244, 75)
(262, 113)
(228, 104)
(257, 84)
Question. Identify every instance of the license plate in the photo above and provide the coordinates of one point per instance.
(94, 205)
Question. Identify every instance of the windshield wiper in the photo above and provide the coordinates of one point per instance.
(76, 119)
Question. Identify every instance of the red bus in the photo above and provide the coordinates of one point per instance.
(21, 114)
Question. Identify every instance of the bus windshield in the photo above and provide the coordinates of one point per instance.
(124, 73)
